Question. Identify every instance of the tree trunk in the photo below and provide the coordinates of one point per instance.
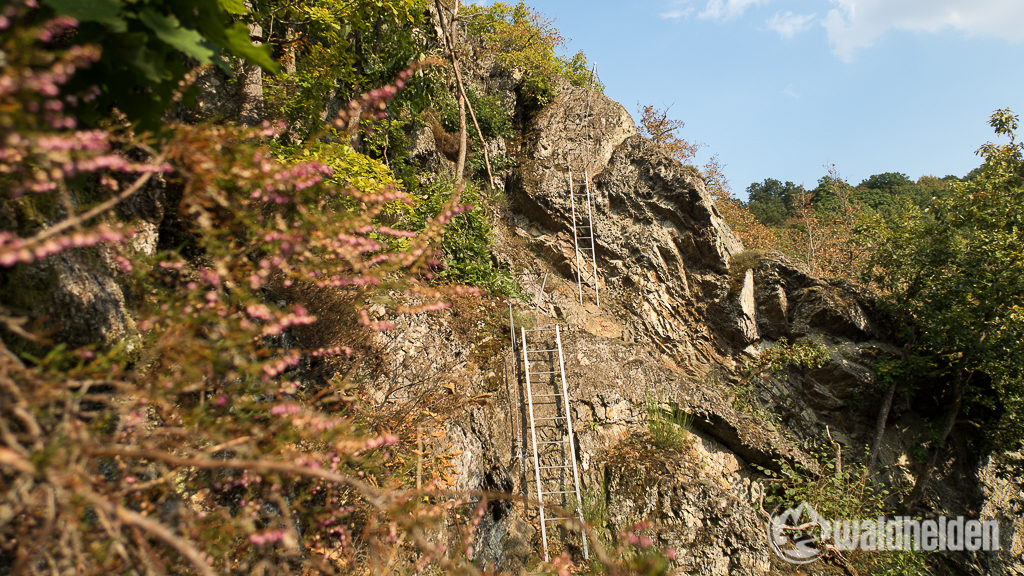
(460, 166)
(925, 475)
(288, 60)
(250, 110)
(446, 38)
(883, 414)
(883, 417)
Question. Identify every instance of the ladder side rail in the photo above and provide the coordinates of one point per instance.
(540, 294)
(536, 456)
(516, 431)
(593, 237)
(572, 444)
(575, 239)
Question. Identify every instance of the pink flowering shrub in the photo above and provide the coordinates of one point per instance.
(212, 440)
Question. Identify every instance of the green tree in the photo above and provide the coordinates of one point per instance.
(881, 191)
(524, 40)
(332, 51)
(956, 273)
(832, 192)
(771, 201)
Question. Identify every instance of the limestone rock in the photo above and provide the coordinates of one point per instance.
(1001, 477)
(661, 244)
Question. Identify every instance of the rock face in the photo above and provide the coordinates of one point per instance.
(701, 505)
(82, 281)
(658, 235)
(1000, 478)
(700, 499)
(76, 297)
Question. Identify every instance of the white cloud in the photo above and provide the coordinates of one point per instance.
(727, 9)
(856, 24)
(680, 9)
(788, 24)
(791, 91)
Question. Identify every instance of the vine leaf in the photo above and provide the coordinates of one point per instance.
(170, 30)
(102, 11)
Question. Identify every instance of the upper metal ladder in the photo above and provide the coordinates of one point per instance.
(549, 455)
(584, 237)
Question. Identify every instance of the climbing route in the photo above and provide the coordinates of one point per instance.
(584, 237)
(551, 431)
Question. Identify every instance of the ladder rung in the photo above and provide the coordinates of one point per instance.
(545, 395)
(551, 350)
(562, 441)
(565, 518)
(540, 330)
(562, 467)
(548, 372)
(554, 418)
(559, 492)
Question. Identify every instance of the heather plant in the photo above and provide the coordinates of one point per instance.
(214, 451)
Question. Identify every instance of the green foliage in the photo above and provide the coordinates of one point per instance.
(491, 115)
(524, 40)
(147, 46)
(595, 512)
(889, 191)
(466, 246)
(831, 194)
(804, 353)
(466, 240)
(348, 167)
(580, 73)
(339, 49)
(771, 201)
(668, 427)
(839, 491)
(957, 271)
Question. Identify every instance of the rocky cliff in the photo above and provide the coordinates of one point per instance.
(684, 312)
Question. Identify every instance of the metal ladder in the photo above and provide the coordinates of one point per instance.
(534, 364)
(584, 238)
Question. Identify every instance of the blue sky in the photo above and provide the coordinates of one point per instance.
(782, 88)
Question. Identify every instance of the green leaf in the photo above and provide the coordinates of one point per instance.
(233, 6)
(169, 29)
(102, 11)
(240, 44)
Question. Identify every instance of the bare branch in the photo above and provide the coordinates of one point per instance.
(154, 528)
(97, 209)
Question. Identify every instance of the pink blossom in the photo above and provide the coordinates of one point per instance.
(269, 537)
(280, 409)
